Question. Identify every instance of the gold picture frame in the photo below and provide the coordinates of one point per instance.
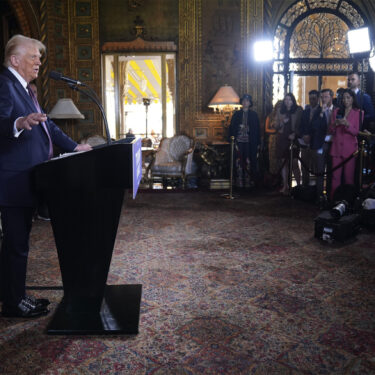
(218, 132)
(200, 132)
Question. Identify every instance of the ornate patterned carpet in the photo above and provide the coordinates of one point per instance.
(229, 287)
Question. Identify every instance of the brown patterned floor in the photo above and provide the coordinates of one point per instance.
(229, 287)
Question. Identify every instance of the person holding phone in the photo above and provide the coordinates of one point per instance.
(344, 127)
(287, 124)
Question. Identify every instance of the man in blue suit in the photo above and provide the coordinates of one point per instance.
(26, 138)
(363, 100)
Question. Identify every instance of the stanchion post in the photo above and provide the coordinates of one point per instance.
(230, 195)
(231, 166)
(361, 156)
(290, 166)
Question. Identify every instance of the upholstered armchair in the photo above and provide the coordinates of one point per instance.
(174, 159)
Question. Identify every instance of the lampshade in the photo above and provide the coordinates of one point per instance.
(225, 96)
(65, 109)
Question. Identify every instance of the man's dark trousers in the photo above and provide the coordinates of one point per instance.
(16, 223)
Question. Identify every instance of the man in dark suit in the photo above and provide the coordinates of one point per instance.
(363, 100)
(245, 129)
(308, 115)
(26, 137)
(320, 140)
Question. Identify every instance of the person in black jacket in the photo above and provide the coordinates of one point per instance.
(363, 100)
(309, 114)
(319, 140)
(245, 128)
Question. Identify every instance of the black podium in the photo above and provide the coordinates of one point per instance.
(84, 193)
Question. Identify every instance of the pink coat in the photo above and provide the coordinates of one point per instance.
(344, 141)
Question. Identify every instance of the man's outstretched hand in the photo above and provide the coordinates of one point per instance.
(30, 120)
(83, 147)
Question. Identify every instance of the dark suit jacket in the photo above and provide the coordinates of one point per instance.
(19, 155)
(254, 128)
(367, 105)
(305, 120)
(318, 129)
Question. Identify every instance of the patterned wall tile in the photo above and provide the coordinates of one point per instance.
(89, 116)
(59, 52)
(83, 98)
(85, 74)
(58, 7)
(61, 93)
(83, 9)
(59, 30)
(84, 30)
(84, 52)
(59, 69)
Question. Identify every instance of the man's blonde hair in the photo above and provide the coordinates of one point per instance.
(16, 42)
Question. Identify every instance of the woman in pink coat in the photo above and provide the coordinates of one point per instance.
(344, 127)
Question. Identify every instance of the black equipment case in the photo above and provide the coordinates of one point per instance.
(331, 229)
(304, 193)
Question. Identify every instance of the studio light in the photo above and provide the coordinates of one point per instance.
(372, 59)
(263, 50)
(359, 41)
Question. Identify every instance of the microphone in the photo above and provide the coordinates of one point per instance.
(58, 76)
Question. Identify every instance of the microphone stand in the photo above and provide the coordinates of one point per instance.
(92, 95)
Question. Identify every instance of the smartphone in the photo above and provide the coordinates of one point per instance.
(339, 116)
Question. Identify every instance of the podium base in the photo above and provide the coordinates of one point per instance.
(119, 314)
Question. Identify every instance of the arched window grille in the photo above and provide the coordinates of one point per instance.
(311, 40)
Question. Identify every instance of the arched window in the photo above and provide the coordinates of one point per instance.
(311, 48)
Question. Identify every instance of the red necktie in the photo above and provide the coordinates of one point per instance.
(37, 107)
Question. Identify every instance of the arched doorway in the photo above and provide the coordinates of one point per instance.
(311, 48)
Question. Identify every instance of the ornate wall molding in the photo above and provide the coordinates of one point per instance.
(85, 61)
(139, 45)
(23, 9)
(198, 49)
(268, 11)
(252, 29)
(189, 62)
(44, 68)
(72, 28)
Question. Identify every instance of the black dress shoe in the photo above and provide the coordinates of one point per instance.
(25, 309)
(38, 302)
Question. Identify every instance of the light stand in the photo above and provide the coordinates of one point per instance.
(360, 47)
(226, 101)
(230, 195)
(371, 59)
(146, 103)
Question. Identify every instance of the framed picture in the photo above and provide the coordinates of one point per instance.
(200, 133)
(218, 132)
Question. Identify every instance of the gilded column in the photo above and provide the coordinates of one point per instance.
(268, 71)
(251, 30)
(44, 66)
(189, 61)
